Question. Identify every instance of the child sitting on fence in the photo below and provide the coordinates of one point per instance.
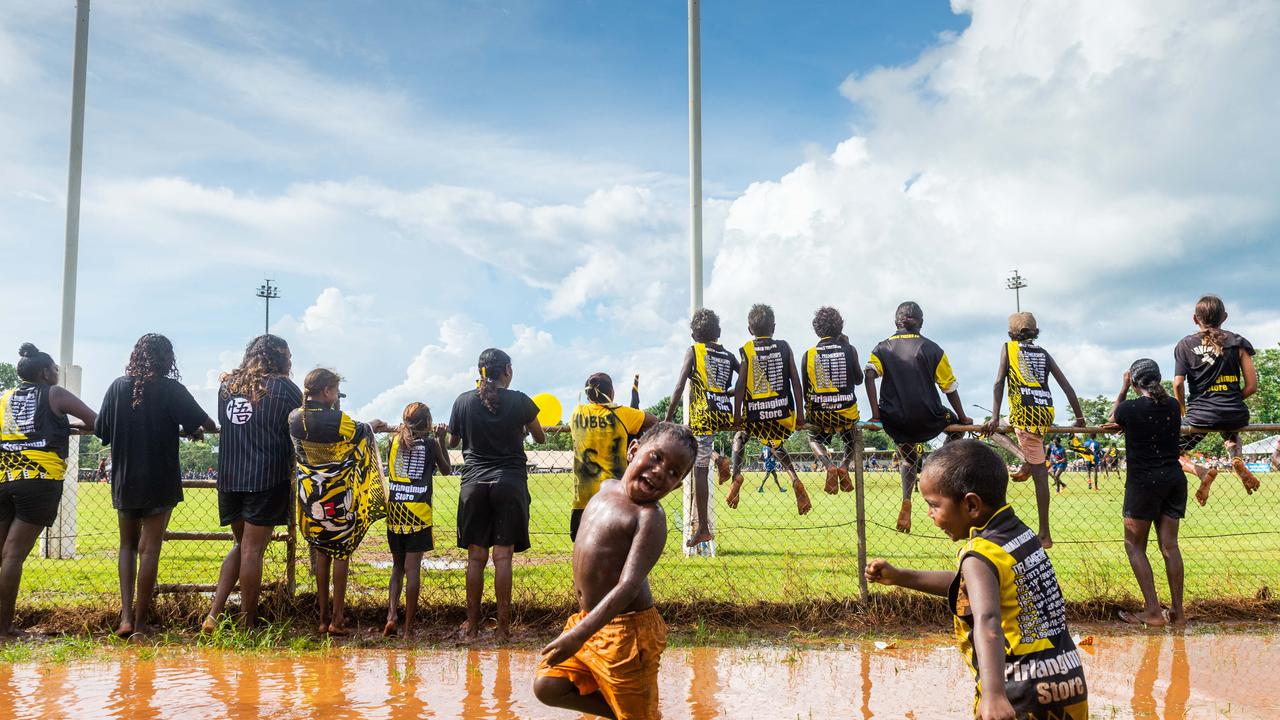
(831, 371)
(765, 404)
(1155, 488)
(416, 452)
(907, 405)
(709, 370)
(605, 662)
(1023, 668)
(1216, 367)
(601, 432)
(1027, 368)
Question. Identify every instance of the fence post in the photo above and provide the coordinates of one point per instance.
(291, 543)
(60, 540)
(859, 497)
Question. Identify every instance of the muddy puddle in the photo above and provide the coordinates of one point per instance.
(1132, 676)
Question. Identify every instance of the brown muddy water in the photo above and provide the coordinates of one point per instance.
(1159, 675)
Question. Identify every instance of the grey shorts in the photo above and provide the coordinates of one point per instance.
(704, 451)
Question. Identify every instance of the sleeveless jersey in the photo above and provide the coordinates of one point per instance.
(1043, 674)
(1030, 401)
(600, 434)
(711, 389)
(830, 375)
(33, 439)
(409, 484)
(766, 367)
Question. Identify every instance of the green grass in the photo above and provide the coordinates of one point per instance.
(766, 552)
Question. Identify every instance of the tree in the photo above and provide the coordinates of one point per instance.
(8, 376)
(660, 409)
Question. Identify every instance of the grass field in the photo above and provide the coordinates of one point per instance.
(766, 552)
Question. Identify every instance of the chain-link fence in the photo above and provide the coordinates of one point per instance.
(764, 550)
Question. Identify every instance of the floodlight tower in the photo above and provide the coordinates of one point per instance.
(268, 292)
(1016, 283)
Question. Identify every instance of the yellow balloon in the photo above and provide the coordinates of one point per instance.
(549, 410)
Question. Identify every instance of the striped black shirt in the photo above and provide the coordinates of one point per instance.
(255, 452)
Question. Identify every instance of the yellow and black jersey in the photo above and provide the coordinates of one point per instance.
(410, 471)
(711, 389)
(1043, 676)
(33, 439)
(830, 374)
(600, 435)
(910, 366)
(340, 483)
(766, 373)
(1030, 400)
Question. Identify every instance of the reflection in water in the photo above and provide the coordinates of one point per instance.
(921, 679)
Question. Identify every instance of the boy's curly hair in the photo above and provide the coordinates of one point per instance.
(969, 466)
(760, 320)
(705, 326)
(680, 433)
(827, 322)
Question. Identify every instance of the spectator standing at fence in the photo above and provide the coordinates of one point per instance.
(255, 467)
(1009, 614)
(417, 450)
(1213, 376)
(709, 369)
(1027, 367)
(1155, 488)
(906, 405)
(36, 437)
(490, 423)
(142, 415)
(339, 491)
(601, 433)
(831, 372)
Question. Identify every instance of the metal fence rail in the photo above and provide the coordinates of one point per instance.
(764, 550)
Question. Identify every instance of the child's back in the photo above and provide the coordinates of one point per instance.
(910, 366)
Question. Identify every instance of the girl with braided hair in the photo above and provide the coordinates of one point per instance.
(143, 413)
(1155, 488)
(490, 423)
(33, 462)
(255, 467)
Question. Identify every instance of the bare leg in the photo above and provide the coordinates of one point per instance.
(322, 564)
(1167, 536)
(1206, 476)
(19, 537)
(846, 483)
(227, 577)
(252, 548)
(127, 565)
(1247, 478)
(149, 546)
(1040, 476)
(803, 504)
(561, 693)
(502, 555)
(823, 455)
(1014, 449)
(739, 446)
(907, 469)
(1135, 546)
(393, 593)
(477, 558)
(701, 495)
(412, 586)
(341, 566)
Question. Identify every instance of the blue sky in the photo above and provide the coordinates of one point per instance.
(424, 179)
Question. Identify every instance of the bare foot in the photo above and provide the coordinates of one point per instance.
(1023, 473)
(803, 505)
(1176, 618)
(1046, 541)
(209, 625)
(324, 626)
(833, 482)
(1202, 493)
(12, 635)
(1148, 619)
(389, 629)
(125, 630)
(722, 470)
(337, 630)
(846, 483)
(732, 498)
(1247, 478)
(466, 634)
(904, 517)
(502, 633)
(406, 632)
(699, 537)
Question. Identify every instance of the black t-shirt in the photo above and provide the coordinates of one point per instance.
(144, 441)
(255, 452)
(912, 369)
(1215, 386)
(1152, 430)
(492, 443)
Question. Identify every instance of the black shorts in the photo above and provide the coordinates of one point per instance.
(414, 542)
(264, 508)
(492, 514)
(903, 435)
(575, 520)
(824, 437)
(1228, 424)
(1149, 500)
(146, 512)
(32, 500)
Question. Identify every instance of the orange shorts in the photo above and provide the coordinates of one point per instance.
(620, 661)
(1032, 446)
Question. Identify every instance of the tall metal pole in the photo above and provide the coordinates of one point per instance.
(695, 157)
(71, 256)
(1016, 283)
(267, 292)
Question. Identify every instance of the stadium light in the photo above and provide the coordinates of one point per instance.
(268, 292)
(1016, 283)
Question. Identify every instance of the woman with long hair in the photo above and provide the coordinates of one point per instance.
(255, 466)
(33, 462)
(490, 423)
(143, 413)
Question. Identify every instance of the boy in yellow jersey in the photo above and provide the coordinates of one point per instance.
(907, 405)
(765, 401)
(709, 370)
(831, 372)
(1027, 368)
(1008, 611)
(601, 431)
